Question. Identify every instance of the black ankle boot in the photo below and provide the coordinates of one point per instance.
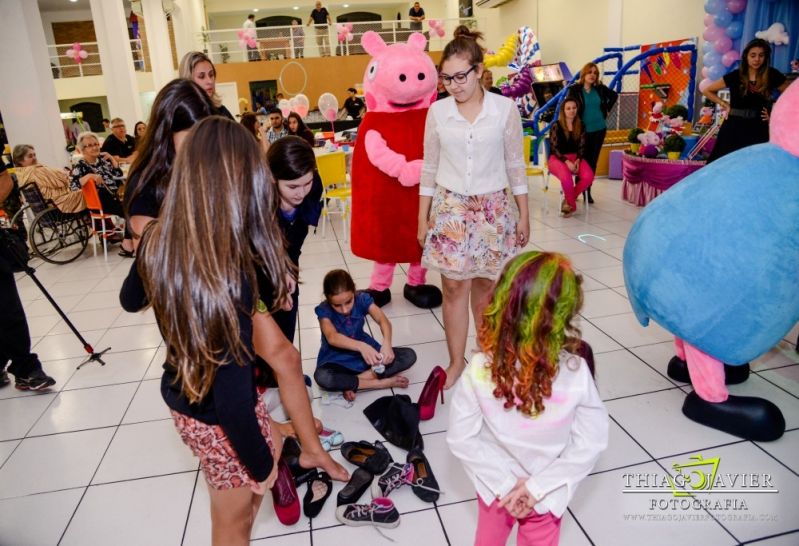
(743, 416)
(381, 297)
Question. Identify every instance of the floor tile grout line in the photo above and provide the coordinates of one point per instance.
(140, 478)
(640, 394)
(580, 525)
(769, 537)
(188, 511)
(71, 517)
(37, 493)
(767, 452)
(780, 387)
(441, 522)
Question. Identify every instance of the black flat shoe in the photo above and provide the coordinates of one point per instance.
(359, 482)
(425, 485)
(291, 456)
(374, 458)
(319, 489)
(381, 297)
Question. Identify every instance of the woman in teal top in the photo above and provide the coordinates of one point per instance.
(594, 102)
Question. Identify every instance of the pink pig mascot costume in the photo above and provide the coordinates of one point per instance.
(399, 85)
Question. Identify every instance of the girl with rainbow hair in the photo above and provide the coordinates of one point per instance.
(526, 419)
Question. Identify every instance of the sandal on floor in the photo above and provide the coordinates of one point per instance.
(372, 457)
(291, 456)
(126, 253)
(330, 438)
(319, 489)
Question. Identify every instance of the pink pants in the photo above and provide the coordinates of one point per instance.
(494, 525)
(707, 373)
(585, 176)
(383, 274)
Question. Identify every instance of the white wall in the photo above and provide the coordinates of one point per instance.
(676, 19)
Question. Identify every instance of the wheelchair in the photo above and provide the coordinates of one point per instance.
(54, 236)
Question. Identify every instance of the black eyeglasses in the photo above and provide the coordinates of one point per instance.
(458, 78)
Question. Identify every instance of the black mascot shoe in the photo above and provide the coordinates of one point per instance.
(424, 296)
(733, 375)
(743, 416)
(381, 297)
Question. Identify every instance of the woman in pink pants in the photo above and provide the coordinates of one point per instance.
(566, 145)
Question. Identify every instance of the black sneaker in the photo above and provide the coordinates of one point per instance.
(395, 477)
(380, 513)
(35, 381)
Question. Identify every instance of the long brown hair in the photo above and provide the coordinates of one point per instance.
(577, 124)
(761, 79)
(527, 324)
(198, 260)
(248, 121)
(585, 69)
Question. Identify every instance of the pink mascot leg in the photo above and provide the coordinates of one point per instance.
(707, 373)
(417, 274)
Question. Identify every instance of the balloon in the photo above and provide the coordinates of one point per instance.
(285, 107)
(716, 72)
(707, 47)
(713, 6)
(722, 45)
(704, 84)
(712, 33)
(77, 53)
(704, 72)
(436, 27)
(735, 30)
(505, 54)
(328, 106)
(711, 59)
(709, 19)
(723, 19)
(729, 58)
(301, 105)
(736, 6)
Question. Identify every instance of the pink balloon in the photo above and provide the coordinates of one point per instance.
(704, 72)
(736, 6)
(302, 110)
(729, 58)
(712, 33)
(704, 84)
(722, 44)
(709, 17)
(330, 114)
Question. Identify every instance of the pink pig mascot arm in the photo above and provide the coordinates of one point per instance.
(390, 162)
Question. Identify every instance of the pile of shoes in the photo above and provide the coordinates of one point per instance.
(290, 476)
(373, 459)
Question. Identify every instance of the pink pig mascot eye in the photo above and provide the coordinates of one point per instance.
(399, 85)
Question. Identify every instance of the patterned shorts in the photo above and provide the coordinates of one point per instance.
(472, 236)
(218, 459)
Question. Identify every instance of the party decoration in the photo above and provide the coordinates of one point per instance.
(328, 106)
(704, 84)
(729, 58)
(521, 85)
(344, 32)
(505, 54)
(77, 53)
(300, 104)
(736, 6)
(734, 30)
(723, 19)
(285, 107)
(436, 27)
(714, 6)
(774, 34)
(247, 38)
(722, 45)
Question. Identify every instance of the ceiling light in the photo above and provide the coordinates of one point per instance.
(296, 8)
(345, 5)
(73, 1)
(255, 10)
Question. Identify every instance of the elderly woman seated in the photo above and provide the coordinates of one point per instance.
(52, 183)
(103, 169)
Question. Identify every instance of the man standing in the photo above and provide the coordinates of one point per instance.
(276, 128)
(321, 20)
(488, 82)
(119, 144)
(416, 15)
(250, 33)
(354, 105)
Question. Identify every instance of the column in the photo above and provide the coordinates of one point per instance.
(28, 99)
(122, 87)
(188, 20)
(158, 40)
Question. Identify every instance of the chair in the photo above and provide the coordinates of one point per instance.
(336, 186)
(54, 236)
(95, 208)
(546, 181)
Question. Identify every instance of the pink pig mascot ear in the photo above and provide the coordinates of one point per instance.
(399, 85)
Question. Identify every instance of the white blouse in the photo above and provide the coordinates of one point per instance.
(474, 158)
(554, 451)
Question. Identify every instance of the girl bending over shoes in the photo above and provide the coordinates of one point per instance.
(350, 359)
(526, 419)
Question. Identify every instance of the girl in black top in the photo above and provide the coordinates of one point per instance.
(298, 128)
(196, 267)
(567, 155)
(751, 88)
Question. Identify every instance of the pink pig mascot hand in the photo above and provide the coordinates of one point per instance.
(399, 86)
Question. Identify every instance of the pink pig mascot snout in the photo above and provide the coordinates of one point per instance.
(399, 85)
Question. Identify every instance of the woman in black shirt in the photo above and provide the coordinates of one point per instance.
(751, 88)
(567, 155)
(298, 128)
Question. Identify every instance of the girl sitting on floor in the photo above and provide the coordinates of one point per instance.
(349, 358)
(526, 419)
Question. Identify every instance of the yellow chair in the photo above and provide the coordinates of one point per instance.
(532, 169)
(333, 172)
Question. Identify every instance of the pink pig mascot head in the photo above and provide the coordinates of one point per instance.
(399, 77)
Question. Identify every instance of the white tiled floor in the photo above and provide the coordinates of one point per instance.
(97, 460)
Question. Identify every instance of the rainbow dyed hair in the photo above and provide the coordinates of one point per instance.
(529, 322)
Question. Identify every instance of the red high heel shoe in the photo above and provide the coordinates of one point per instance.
(427, 400)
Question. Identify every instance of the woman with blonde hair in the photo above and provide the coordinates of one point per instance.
(594, 102)
(197, 67)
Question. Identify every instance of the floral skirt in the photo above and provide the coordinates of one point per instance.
(218, 459)
(472, 236)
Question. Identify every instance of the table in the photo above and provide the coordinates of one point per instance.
(643, 178)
